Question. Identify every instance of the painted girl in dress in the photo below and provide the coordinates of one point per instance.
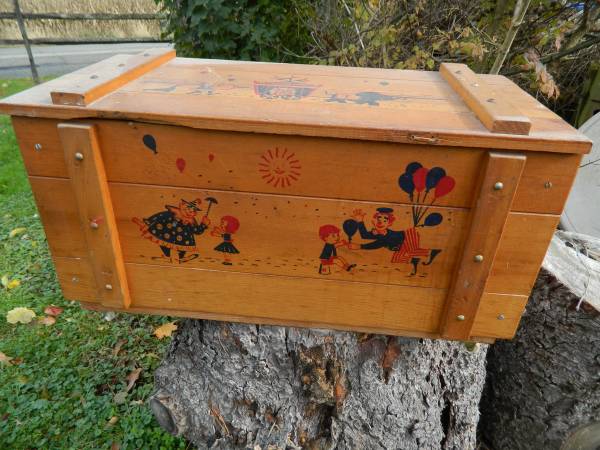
(229, 225)
(174, 229)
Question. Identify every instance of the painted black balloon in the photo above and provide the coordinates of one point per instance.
(406, 183)
(150, 142)
(413, 167)
(433, 219)
(433, 177)
(350, 227)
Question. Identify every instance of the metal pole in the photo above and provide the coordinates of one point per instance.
(19, 16)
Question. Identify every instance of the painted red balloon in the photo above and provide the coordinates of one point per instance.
(444, 186)
(180, 163)
(211, 157)
(419, 178)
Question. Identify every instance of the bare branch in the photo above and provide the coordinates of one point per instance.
(519, 13)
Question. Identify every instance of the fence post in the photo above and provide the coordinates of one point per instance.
(21, 22)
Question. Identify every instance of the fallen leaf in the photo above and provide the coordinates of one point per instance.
(20, 314)
(165, 330)
(16, 232)
(132, 378)
(113, 420)
(53, 310)
(16, 361)
(47, 320)
(4, 359)
(4, 280)
(13, 284)
(118, 346)
(120, 397)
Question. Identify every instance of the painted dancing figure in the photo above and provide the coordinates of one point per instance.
(175, 229)
(229, 225)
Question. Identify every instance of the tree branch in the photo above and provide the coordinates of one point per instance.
(517, 19)
(557, 55)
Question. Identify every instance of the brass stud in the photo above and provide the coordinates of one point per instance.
(498, 186)
(94, 225)
(548, 184)
(478, 258)
(108, 287)
(460, 318)
(37, 147)
(501, 317)
(79, 156)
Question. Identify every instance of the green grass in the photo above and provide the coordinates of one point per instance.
(61, 392)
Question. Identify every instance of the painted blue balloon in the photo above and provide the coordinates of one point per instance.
(406, 183)
(350, 227)
(433, 177)
(412, 167)
(433, 219)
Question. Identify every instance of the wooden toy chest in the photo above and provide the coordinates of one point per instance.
(386, 201)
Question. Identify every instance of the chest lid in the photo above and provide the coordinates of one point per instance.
(452, 107)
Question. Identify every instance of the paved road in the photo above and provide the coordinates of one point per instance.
(61, 59)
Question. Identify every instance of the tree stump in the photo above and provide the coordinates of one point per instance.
(224, 385)
(545, 383)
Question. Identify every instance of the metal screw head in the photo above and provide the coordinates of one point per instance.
(37, 147)
(460, 318)
(94, 225)
(548, 184)
(478, 258)
(79, 156)
(108, 287)
(501, 317)
(498, 186)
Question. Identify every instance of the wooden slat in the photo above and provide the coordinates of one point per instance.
(498, 316)
(150, 296)
(517, 261)
(414, 107)
(492, 108)
(90, 83)
(524, 243)
(84, 162)
(489, 215)
(373, 167)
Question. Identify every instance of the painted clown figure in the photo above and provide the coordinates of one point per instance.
(175, 229)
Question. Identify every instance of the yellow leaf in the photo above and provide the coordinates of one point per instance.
(22, 315)
(13, 284)
(4, 280)
(47, 320)
(16, 232)
(132, 378)
(4, 359)
(165, 330)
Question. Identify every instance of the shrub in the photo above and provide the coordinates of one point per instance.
(258, 30)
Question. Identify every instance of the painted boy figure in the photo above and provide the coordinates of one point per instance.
(174, 229)
(330, 234)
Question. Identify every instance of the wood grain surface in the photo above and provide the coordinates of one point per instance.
(493, 108)
(489, 215)
(95, 212)
(363, 104)
(332, 168)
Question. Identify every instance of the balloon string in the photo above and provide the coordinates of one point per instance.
(425, 212)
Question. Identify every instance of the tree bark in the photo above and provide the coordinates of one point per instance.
(224, 385)
(546, 382)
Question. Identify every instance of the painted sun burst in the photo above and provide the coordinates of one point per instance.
(279, 167)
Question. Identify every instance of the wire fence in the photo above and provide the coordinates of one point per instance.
(20, 17)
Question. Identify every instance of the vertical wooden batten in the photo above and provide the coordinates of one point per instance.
(86, 169)
(490, 211)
